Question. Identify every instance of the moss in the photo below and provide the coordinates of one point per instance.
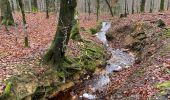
(7, 22)
(163, 87)
(34, 9)
(139, 72)
(160, 23)
(96, 29)
(75, 33)
(93, 31)
(99, 26)
(7, 91)
(167, 33)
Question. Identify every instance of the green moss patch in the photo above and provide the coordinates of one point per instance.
(163, 87)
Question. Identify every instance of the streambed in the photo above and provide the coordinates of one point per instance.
(90, 88)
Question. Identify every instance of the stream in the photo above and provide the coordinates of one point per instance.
(118, 61)
(91, 87)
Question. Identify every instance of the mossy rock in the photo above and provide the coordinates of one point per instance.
(160, 23)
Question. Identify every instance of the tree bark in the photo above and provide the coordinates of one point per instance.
(6, 13)
(97, 9)
(85, 5)
(126, 8)
(142, 6)
(110, 8)
(47, 4)
(89, 7)
(151, 6)
(133, 4)
(168, 5)
(56, 53)
(162, 5)
(24, 23)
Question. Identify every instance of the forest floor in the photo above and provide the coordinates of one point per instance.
(139, 82)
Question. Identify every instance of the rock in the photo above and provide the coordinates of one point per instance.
(160, 23)
(109, 36)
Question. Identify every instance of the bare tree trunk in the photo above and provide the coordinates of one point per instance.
(162, 5)
(133, 4)
(85, 5)
(168, 5)
(151, 6)
(97, 9)
(142, 6)
(125, 8)
(47, 4)
(24, 23)
(89, 7)
(110, 8)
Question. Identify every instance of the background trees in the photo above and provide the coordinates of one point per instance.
(6, 13)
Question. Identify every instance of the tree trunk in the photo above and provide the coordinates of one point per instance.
(56, 53)
(6, 13)
(47, 4)
(125, 8)
(142, 6)
(133, 4)
(162, 5)
(85, 5)
(24, 23)
(151, 6)
(168, 5)
(110, 8)
(89, 7)
(97, 9)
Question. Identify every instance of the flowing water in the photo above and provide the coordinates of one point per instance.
(118, 61)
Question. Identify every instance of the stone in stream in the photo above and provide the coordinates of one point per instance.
(117, 62)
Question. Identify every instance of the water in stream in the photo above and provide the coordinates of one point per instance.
(117, 62)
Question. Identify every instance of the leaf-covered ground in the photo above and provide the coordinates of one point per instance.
(137, 82)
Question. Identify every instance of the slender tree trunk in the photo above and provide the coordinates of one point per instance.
(110, 8)
(162, 5)
(133, 4)
(24, 23)
(85, 5)
(12, 6)
(97, 9)
(30, 6)
(125, 8)
(47, 4)
(6, 13)
(168, 5)
(151, 6)
(56, 53)
(89, 7)
(142, 6)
